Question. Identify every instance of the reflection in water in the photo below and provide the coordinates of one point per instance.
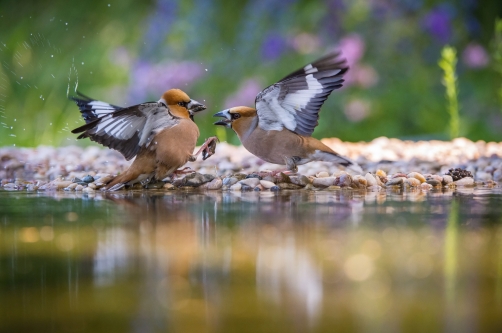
(225, 262)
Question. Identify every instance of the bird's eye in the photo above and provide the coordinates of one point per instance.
(236, 115)
(183, 104)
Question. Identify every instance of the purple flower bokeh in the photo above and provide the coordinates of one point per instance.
(245, 95)
(475, 56)
(437, 22)
(273, 47)
(149, 79)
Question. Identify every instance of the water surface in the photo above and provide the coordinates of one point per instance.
(295, 261)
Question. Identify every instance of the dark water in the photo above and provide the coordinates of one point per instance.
(251, 262)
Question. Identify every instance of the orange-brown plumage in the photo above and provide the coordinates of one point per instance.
(162, 135)
(279, 129)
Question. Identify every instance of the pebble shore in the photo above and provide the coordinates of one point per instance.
(387, 163)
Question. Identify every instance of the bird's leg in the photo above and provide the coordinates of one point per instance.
(183, 171)
(207, 149)
(291, 163)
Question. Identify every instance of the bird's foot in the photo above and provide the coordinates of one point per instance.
(291, 163)
(181, 172)
(207, 149)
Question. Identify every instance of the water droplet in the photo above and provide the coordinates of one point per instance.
(14, 119)
(52, 55)
(206, 69)
(41, 96)
(109, 5)
(50, 124)
(66, 23)
(21, 77)
(82, 62)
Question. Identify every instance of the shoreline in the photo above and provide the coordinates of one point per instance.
(389, 162)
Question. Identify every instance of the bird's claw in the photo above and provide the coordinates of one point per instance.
(210, 148)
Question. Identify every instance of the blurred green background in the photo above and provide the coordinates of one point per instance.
(224, 52)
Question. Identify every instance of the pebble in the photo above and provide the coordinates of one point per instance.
(370, 179)
(416, 175)
(266, 184)
(214, 184)
(467, 181)
(343, 180)
(395, 181)
(252, 182)
(323, 182)
(389, 161)
(236, 187)
(447, 179)
(229, 181)
(322, 174)
(88, 179)
(88, 190)
(300, 180)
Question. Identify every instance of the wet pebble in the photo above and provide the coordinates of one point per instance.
(323, 182)
(252, 182)
(88, 179)
(267, 184)
(467, 181)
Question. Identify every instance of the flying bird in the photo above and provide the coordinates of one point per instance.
(161, 135)
(278, 130)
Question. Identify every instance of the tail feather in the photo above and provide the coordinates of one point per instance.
(346, 162)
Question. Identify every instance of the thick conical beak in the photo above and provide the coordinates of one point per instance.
(194, 106)
(227, 122)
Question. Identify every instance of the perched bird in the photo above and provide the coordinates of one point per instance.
(278, 130)
(162, 135)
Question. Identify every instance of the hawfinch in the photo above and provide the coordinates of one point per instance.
(278, 130)
(162, 135)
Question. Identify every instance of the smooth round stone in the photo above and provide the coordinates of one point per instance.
(288, 186)
(79, 188)
(253, 175)
(433, 182)
(395, 181)
(300, 180)
(483, 176)
(322, 174)
(413, 182)
(88, 190)
(275, 188)
(214, 184)
(425, 186)
(246, 188)
(229, 181)
(323, 182)
(467, 181)
(76, 180)
(417, 175)
(252, 182)
(236, 187)
(169, 186)
(370, 179)
(88, 179)
(447, 179)
(266, 184)
(343, 180)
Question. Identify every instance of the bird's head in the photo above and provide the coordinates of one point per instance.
(237, 118)
(180, 104)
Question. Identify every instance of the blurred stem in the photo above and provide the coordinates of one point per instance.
(221, 133)
(450, 254)
(448, 63)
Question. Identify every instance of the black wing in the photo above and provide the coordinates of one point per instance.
(128, 129)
